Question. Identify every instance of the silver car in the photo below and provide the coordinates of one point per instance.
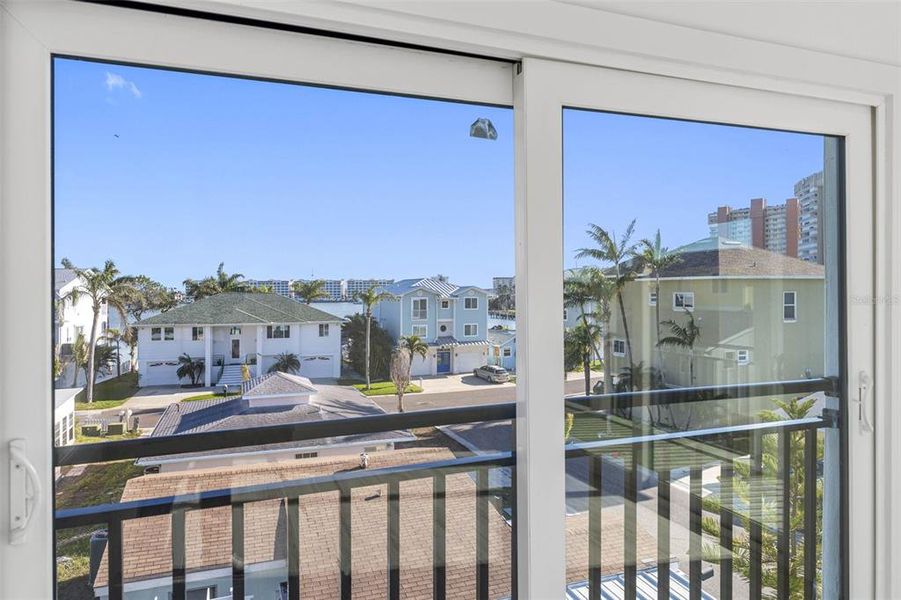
(492, 373)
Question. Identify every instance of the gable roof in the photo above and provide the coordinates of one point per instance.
(444, 289)
(241, 308)
(277, 384)
(223, 414)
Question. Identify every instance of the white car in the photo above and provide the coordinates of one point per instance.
(492, 373)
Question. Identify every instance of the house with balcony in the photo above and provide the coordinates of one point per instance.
(73, 318)
(236, 328)
(452, 319)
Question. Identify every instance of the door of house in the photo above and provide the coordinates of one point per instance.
(236, 348)
(444, 361)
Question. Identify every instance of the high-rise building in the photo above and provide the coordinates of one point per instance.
(354, 286)
(279, 286)
(809, 191)
(499, 282)
(774, 228)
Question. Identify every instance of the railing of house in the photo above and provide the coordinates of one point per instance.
(707, 442)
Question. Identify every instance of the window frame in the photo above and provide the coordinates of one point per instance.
(278, 328)
(475, 330)
(614, 351)
(684, 296)
(652, 298)
(197, 333)
(156, 334)
(423, 311)
(326, 326)
(168, 334)
(793, 304)
(466, 301)
(425, 328)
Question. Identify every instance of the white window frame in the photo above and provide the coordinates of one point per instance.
(507, 352)
(197, 333)
(475, 330)
(424, 327)
(424, 312)
(283, 329)
(471, 299)
(685, 296)
(793, 304)
(156, 334)
(323, 327)
(652, 298)
(168, 334)
(445, 304)
(621, 342)
(696, 90)
(743, 357)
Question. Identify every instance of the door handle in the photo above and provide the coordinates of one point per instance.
(24, 491)
(864, 383)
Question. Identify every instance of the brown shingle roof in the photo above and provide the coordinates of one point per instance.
(147, 542)
(741, 261)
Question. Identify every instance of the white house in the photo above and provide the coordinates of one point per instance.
(502, 351)
(452, 319)
(234, 328)
(73, 318)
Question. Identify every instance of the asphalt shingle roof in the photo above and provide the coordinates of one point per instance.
(240, 308)
(277, 384)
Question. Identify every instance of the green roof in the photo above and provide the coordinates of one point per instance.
(240, 308)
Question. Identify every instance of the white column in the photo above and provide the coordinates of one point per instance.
(208, 356)
(540, 463)
(260, 333)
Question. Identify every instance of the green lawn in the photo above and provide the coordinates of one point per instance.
(208, 396)
(110, 393)
(384, 388)
(91, 439)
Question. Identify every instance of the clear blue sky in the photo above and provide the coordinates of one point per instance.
(170, 173)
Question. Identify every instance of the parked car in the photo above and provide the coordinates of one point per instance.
(492, 373)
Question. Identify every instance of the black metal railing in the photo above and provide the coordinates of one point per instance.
(112, 516)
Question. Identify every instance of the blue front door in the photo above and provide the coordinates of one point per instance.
(444, 358)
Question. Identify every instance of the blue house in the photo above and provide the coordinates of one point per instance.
(452, 319)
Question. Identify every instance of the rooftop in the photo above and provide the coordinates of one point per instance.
(277, 384)
(444, 289)
(241, 308)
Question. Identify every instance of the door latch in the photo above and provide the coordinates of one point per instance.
(864, 384)
(24, 491)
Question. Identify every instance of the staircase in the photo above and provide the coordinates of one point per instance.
(231, 376)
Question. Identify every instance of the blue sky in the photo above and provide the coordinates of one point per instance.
(170, 173)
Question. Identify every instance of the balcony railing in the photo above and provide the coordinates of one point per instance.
(709, 443)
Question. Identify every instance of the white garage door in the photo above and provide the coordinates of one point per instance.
(466, 361)
(317, 366)
(159, 373)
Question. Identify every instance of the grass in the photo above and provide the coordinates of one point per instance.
(385, 388)
(80, 438)
(98, 484)
(208, 396)
(110, 393)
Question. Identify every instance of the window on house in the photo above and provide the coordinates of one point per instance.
(683, 300)
(565, 314)
(445, 304)
(169, 333)
(652, 298)
(323, 330)
(420, 330)
(471, 303)
(197, 334)
(235, 331)
(420, 308)
(156, 333)
(619, 347)
(789, 307)
(278, 332)
(508, 352)
(471, 329)
(743, 357)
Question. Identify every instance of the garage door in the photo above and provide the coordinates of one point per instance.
(317, 366)
(159, 373)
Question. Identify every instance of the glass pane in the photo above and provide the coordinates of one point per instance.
(236, 256)
(702, 330)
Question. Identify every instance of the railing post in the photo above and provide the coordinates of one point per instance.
(727, 508)
(595, 533)
(482, 506)
(755, 517)
(114, 558)
(663, 537)
(630, 528)
(238, 551)
(439, 562)
(178, 554)
(810, 514)
(345, 542)
(782, 543)
(394, 540)
(696, 477)
(292, 510)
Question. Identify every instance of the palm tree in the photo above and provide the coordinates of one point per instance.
(369, 298)
(579, 343)
(115, 336)
(79, 357)
(586, 288)
(310, 291)
(414, 345)
(637, 377)
(400, 374)
(102, 286)
(219, 283)
(658, 258)
(286, 362)
(683, 337)
(190, 368)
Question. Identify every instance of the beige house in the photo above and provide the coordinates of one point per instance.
(761, 316)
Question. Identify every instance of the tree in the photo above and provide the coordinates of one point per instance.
(579, 344)
(369, 298)
(653, 254)
(400, 374)
(616, 253)
(637, 377)
(414, 345)
(115, 336)
(104, 359)
(797, 408)
(353, 331)
(219, 283)
(263, 288)
(144, 295)
(683, 337)
(588, 288)
(503, 300)
(286, 362)
(310, 291)
(189, 368)
(102, 286)
(79, 357)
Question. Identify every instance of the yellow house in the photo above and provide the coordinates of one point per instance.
(760, 316)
